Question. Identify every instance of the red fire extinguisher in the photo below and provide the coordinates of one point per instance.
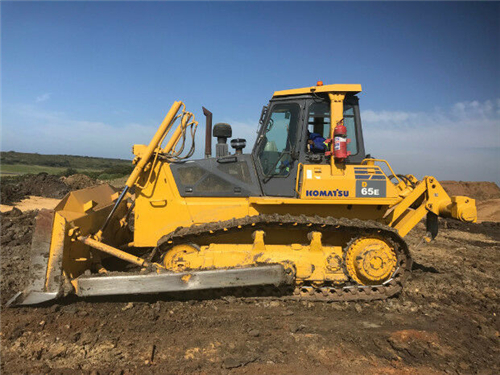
(340, 142)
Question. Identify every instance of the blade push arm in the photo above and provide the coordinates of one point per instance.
(155, 142)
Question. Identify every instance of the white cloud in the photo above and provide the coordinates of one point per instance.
(461, 143)
(43, 98)
(386, 116)
(29, 129)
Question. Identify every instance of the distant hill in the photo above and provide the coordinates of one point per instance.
(67, 161)
(18, 163)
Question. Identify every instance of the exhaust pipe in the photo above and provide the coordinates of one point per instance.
(208, 133)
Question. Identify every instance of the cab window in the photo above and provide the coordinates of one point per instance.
(318, 124)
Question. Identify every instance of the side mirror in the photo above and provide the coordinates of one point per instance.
(263, 114)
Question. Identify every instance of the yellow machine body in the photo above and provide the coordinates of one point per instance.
(160, 209)
(303, 236)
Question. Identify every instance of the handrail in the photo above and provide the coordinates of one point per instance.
(365, 161)
(300, 166)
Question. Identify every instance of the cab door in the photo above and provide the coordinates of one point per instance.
(276, 150)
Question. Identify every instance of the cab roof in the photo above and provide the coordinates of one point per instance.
(354, 88)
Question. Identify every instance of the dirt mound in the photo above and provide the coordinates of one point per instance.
(43, 185)
(14, 189)
(17, 227)
(15, 242)
(78, 181)
(476, 190)
(488, 210)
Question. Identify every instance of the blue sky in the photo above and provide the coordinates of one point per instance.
(92, 78)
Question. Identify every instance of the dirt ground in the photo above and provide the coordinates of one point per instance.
(32, 202)
(445, 321)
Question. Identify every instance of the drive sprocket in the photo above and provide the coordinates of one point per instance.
(370, 260)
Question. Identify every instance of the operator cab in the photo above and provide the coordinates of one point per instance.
(296, 128)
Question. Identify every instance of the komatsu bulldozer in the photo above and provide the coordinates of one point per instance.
(306, 214)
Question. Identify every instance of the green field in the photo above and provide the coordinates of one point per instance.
(19, 163)
(18, 169)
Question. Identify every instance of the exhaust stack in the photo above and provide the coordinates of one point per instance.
(208, 132)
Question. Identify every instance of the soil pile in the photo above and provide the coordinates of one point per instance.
(488, 210)
(445, 321)
(43, 185)
(476, 190)
(14, 189)
(17, 228)
(78, 181)
(16, 233)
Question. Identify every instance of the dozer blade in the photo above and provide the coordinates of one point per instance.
(40, 249)
(56, 258)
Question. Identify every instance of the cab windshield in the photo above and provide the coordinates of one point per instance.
(279, 138)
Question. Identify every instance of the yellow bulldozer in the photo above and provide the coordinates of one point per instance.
(306, 215)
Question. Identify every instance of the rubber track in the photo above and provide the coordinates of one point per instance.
(355, 227)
